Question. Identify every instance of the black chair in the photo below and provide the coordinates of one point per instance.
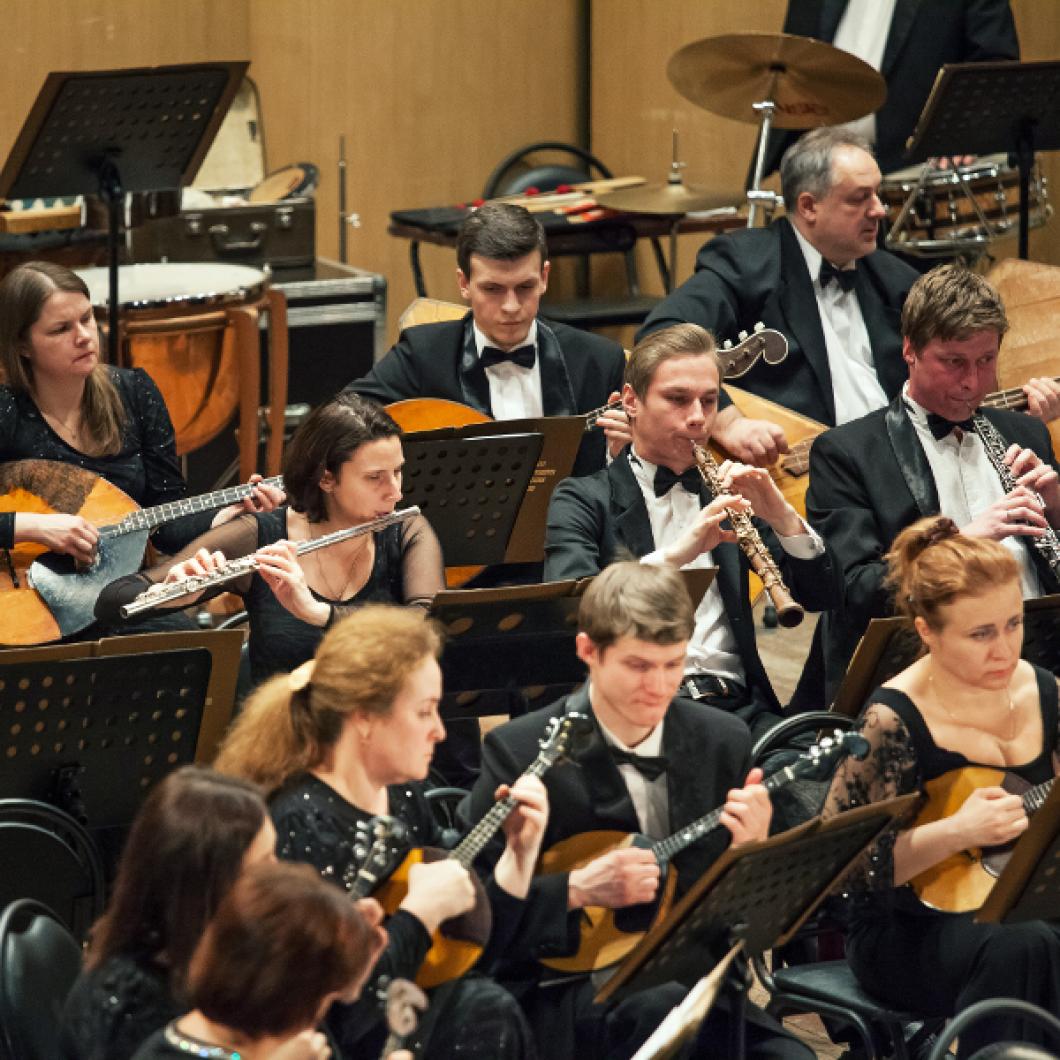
(443, 802)
(1002, 1050)
(39, 961)
(517, 172)
(244, 685)
(49, 856)
(827, 988)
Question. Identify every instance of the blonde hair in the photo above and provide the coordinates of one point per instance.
(361, 665)
(678, 340)
(931, 564)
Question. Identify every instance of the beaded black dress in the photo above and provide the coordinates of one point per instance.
(471, 1017)
(907, 954)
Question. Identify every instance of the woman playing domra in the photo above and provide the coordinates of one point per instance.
(348, 736)
(969, 700)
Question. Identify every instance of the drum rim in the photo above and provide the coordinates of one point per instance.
(245, 293)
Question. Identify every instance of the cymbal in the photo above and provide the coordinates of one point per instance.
(811, 82)
(668, 198)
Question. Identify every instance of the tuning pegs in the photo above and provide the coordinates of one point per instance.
(760, 326)
(742, 336)
(727, 344)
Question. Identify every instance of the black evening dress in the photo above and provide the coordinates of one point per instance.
(917, 958)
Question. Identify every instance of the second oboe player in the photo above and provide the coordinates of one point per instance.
(652, 502)
(342, 468)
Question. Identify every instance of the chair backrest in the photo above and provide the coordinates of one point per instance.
(39, 961)
(513, 175)
(48, 856)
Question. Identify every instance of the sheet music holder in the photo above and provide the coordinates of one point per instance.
(505, 520)
(517, 638)
(765, 889)
(1029, 885)
(106, 132)
(982, 108)
(890, 645)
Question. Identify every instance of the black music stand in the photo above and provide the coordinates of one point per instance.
(91, 727)
(758, 894)
(982, 108)
(107, 132)
(1029, 885)
(518, 639)
(890, 645)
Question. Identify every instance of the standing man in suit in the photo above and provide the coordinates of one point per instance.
(652, 764)
(925, 455)
(652, 502)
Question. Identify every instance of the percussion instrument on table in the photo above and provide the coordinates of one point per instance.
(193, 327)
(940, 212)
(291, 182)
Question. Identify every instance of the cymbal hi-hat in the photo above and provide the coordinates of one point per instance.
(810, 83)
(671, 198)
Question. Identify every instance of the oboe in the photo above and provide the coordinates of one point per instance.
(162, 593)
(995, 447)
(789, 612)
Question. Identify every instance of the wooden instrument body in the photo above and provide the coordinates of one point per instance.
(46, 487)
(459, 942)
(605, 939)
(961, 882)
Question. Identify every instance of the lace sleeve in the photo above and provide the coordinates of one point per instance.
(422, 567)
(890, 769)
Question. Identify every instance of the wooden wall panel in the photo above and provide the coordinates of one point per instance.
(430, 96)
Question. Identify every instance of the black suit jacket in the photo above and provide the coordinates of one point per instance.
(924, 35)
(869, 479)
(760, 274)
(579, 371)
(593, 520)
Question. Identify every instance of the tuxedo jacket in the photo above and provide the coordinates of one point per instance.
(869, 479)
(596, 520)
(760, 274)
(579, 372)
(924, 35)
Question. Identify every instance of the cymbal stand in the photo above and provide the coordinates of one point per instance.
(756, 198)
(674, 180)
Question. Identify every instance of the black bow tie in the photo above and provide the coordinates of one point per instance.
(844, 277)
(665, 480)
(940, 427)
(649, 766)
(524, 356)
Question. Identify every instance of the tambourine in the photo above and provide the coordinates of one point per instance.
(291, 182)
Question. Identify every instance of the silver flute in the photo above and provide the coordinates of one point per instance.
(995, 446)
(162, 593)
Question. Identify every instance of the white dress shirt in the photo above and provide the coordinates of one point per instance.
(855, 385)
(515, 392)
(712, 649)
(650, 798)
(967, 483)
(863, 31)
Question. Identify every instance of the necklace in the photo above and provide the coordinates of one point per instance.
(1011, 709)
(195, 1047)
(69, 432)
(351, 570)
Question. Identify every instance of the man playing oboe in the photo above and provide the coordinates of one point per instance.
(934, 451)
(653, 503)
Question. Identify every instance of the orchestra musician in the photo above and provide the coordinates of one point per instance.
(655, 762)
(58, 402)
(342, 468)
(193, 836)
(652, 503)
(969, 700)
(924, 455)
(346, 737)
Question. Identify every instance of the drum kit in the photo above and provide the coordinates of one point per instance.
(777, 80)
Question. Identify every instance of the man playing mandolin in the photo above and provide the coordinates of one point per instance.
(654, 764)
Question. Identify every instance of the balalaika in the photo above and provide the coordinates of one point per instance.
(164, 592)
(995, 446)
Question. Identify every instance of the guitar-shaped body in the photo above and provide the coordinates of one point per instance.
(459, 942)
(963, 881)
(607, 935)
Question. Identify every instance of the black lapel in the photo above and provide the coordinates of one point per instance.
(880, 320)
(474, 386)
(798, 303)
(912, 461)
(632, 525)
(901, 23)
(831, 13)
(557, 394)
(685, 744)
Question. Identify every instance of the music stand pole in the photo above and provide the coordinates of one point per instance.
(112, 193)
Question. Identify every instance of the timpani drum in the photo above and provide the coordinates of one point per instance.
(176, 325)
(943, 212)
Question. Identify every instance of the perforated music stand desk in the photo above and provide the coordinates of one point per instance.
(1029, 885)
(890, 645)
(983, 108)
(759, 893)
(106, 132)
(485, 488)
(517, 637)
